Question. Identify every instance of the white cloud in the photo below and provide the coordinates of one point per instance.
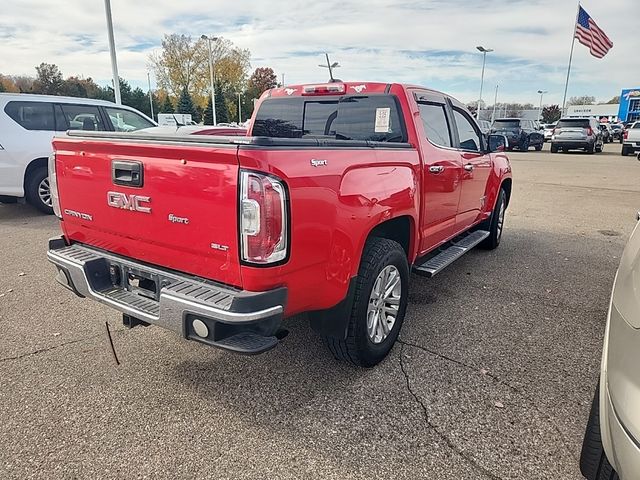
(425, 42)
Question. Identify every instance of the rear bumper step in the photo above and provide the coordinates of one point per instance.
(197, 309)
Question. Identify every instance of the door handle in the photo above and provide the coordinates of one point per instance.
(469, 167)
(436, 169)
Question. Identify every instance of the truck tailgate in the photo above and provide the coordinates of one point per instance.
(182, 216)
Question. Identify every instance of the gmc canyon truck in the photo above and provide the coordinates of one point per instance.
(335, 194)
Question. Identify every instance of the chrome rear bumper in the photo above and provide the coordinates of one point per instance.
(174, 301)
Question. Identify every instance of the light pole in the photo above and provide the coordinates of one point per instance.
(112, 50)
(150, 96)
(541, 92)
(330, 66)
(239, 108)
(495, 102)
(213, 90)
(484, 60)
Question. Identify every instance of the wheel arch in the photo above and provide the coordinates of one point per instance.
(400, 229)
(506, 185)
(32, 167)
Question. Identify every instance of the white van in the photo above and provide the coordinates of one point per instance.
(28, 123)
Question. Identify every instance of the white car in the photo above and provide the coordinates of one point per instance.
(28, 123)
(631, 139)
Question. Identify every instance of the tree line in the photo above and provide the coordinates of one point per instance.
(182, 74)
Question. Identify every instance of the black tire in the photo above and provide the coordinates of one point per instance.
(36, 177)
(554, 148)
(599, 148)
(538, 147)
(358, 348)
(594, 463)
(494, 225)
(591, 148)
(625, 150)
(524, 144)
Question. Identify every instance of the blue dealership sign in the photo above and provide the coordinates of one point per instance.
(629, 105)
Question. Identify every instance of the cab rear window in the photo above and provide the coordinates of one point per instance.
(373, 118)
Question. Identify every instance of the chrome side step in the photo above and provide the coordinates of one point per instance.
(450, 254)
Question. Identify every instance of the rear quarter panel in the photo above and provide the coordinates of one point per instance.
(333, 208)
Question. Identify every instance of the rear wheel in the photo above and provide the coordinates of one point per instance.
(524, 144)
(625, 150)
(591, 148)
(379, 305)
(538, 147)
(599, 148)
(554, 148)
(38, 190)
(594, 463)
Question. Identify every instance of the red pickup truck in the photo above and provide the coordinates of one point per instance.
(336, 193)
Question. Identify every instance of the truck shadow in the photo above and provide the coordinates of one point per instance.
(517, 313)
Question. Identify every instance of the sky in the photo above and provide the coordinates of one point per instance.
(429, 42)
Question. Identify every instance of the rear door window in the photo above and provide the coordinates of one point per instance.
(32, 115)
(82, 117)
(373, 118)
(436, 126)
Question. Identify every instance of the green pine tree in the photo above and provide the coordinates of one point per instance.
(208, 113)
(185, 104)
(166, 106)
(222, 112)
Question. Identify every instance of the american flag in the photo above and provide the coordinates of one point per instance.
(590, 35)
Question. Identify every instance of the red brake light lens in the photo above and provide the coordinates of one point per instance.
(325, 89)
(263, 222)
(589, 131)
(625, 135)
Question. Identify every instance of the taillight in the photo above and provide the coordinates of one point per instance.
(263, 218)
(324, 89)
(53, 185)
(625, 135)
(589, 131)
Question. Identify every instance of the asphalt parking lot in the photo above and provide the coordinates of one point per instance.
(493, 378)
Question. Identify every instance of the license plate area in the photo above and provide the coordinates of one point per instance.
(141, 284)
(138, 281)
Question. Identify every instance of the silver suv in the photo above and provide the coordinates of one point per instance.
(611, 447)
(577, 134)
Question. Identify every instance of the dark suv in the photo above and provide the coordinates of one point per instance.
(576, 134)
(520, 133)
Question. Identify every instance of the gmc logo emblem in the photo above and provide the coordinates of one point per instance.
(128, 202)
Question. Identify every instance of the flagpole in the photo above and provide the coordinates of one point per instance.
(573, 42)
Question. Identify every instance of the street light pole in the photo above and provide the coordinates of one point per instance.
(112, 50)
(495, 101)
(484, 60)
(541, 92)
(150, 96)
(239, 108)
(213, 90)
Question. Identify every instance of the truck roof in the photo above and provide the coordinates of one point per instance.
(340, 88)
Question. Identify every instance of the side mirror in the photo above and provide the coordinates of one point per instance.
(497, 143)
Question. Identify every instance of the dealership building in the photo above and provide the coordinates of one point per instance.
(628, 110)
